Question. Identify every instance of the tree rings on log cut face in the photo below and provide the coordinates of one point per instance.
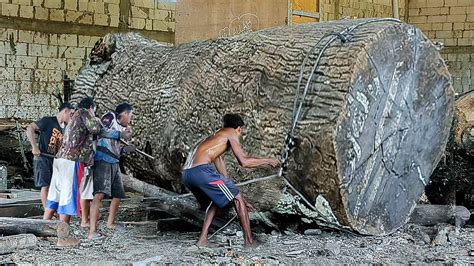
(394, 130)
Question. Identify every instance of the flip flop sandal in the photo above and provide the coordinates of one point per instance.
(119, 227)
(97, 237)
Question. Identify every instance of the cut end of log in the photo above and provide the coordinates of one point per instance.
(62, 230)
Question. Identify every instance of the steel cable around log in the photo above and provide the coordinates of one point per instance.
(345, 36)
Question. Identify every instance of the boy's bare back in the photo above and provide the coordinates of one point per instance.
(212, 147)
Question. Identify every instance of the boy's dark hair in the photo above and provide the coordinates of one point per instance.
(86, 103)
(65, 105)
(123, 107)
(233, 121)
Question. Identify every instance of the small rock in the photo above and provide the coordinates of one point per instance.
(275, 233)
(452, 237)
(295, 252)
(272, 262)
(332, 248)
(313, 232)
(230, 232)
(221, 238)
(290, 233)
(441, 237)
(223, 259)
(425, 237)
(239, 234)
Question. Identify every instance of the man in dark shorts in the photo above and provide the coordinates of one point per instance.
(50, 130)
(107, 179)
(210, 185)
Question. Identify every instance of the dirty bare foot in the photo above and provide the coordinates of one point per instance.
(68, 242)
(85, 225)
(206, 244)
(253, 244)
(116, 226)
(202, 243)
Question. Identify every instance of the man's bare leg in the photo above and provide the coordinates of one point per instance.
(114, 204)
(48, 214)
(95, 212)
(44, 196)
(85, 211)
(243, 215)
(66, 242)
(211, 213)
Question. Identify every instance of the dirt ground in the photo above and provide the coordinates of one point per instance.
(143, 244)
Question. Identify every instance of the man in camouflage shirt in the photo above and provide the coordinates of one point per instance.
(71, 184)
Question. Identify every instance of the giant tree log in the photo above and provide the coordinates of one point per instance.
(373, 125)
(453, 180)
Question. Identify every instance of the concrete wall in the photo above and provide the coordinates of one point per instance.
(337, 9)
(208, 19)
(450, 22)
(41, 40)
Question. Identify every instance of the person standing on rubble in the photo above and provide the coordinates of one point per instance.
(107, 179)
(210, 184)
(50, 130)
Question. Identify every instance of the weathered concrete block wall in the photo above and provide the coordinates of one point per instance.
(41, 40)
(450, 22)
(337, 9)
(32, 65)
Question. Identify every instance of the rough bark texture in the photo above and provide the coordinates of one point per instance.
(453, 180)
(373, 126)
(14, 226)
(10, 244)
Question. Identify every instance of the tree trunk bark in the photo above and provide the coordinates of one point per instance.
(453, 180)
(10, 244)
(373, 125)
(14, 226)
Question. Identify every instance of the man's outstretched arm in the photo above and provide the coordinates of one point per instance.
(247, 161)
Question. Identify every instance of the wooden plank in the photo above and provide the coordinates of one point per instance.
(305, 11)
